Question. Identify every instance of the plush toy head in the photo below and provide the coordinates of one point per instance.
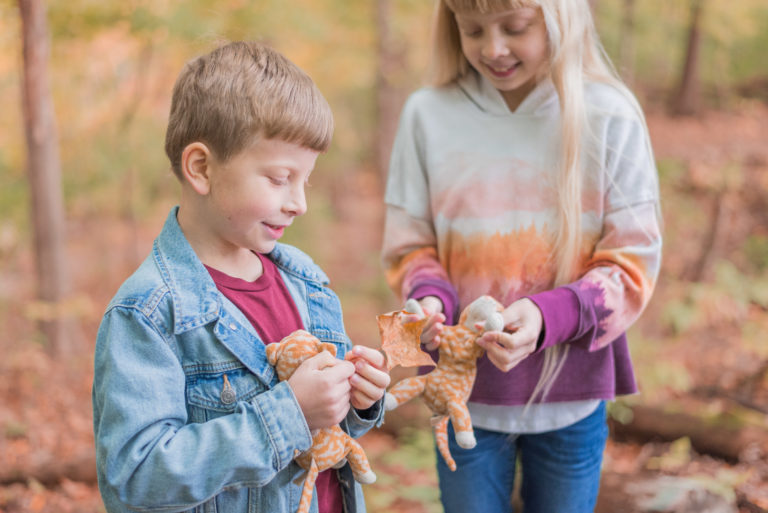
(458, 343)
(289, 353)
(485, 310)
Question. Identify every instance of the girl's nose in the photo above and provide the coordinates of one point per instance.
(494, 46)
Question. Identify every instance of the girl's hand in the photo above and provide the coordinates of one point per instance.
(371, 378)
(522, 326)
(433, 310)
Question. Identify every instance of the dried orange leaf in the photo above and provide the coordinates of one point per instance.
(401, 341)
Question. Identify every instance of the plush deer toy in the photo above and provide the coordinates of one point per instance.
(446, 388)
(331, 447)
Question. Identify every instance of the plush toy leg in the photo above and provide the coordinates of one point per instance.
(462, 424)
(441, 436)
(309, 488)
(359, 463)
(403, 391)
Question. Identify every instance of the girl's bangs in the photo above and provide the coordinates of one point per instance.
(487, 6)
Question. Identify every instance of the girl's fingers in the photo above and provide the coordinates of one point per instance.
(503, 350)
(433, 344)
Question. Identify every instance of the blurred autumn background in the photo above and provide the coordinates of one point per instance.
(82, 199)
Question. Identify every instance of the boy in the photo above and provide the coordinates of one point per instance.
(188, 413)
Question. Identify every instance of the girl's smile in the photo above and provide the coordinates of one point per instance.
(502, 71)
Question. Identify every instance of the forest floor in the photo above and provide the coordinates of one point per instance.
(46, 439)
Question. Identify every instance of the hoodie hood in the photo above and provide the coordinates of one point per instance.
(488, 99)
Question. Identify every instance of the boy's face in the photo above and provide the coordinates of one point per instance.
(256, 194)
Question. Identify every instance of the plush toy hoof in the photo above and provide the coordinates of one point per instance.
(366, 478)
(390, 403)
(466, 439)
(413, 307)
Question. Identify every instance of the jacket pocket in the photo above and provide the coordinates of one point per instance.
(214, 390)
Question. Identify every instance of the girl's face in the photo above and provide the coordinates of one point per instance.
(509, 48)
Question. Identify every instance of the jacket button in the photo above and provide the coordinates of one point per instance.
(233, 326)
(228, 394)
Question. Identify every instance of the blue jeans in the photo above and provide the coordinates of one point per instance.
(561, 469)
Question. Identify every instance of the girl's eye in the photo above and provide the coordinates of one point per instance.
(514, 30)
(278, 180)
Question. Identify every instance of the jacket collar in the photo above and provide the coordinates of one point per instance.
(196, 300)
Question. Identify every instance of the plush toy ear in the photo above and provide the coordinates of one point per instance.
(273, 353)
(327, 346)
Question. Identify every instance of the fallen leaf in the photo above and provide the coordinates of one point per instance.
(401, 342)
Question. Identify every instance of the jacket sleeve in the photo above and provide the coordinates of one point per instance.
(620, 273)
(409, 249)
(147, 453)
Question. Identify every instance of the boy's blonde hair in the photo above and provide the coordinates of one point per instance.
(575, 56)
(239, 92)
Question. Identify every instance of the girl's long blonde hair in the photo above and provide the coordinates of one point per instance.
(575, 56)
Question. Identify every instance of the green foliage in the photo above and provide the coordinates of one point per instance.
(734, 35)
(756, 251)
(416, 450)
(414, 454)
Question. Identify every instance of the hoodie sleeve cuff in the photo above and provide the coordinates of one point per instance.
(560, 309)
(442, 290)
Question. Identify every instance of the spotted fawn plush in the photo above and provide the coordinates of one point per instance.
(331, 447)
(446, 389)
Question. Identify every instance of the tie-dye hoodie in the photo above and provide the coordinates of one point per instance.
(471, 210)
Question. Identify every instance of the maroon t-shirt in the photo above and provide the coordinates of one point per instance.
(269, 306)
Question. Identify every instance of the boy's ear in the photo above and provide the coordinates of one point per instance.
(196, 161)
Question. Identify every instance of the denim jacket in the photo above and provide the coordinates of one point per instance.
(171, 434)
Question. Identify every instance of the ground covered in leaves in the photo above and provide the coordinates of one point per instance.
(700, 348)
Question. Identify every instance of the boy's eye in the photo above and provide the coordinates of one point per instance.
(279, 180)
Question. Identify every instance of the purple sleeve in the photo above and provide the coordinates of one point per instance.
(442, 290)
(570, 314)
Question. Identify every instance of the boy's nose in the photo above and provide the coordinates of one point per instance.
(297, 201)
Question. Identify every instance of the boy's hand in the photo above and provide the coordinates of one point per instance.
(322, 389)
(371, 378)
(522, 326)
(433, 310)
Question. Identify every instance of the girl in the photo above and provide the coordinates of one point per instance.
(525, 172)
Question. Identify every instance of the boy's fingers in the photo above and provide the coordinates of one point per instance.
(321, 360)
(374, 375)
(341, 369)
(370, 355)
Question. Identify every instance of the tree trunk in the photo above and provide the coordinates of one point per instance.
(388, 95)
(44, 172)
(719, 438)
(49, 470)
(687, 99)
